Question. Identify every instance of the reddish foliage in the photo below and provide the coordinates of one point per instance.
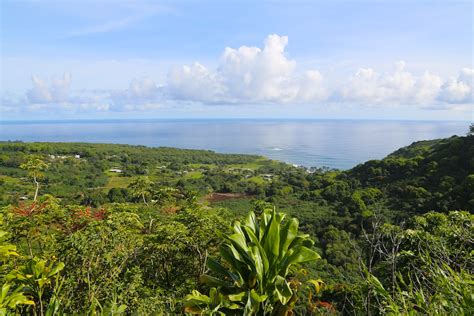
(99, 214)
(82, 213)
(82, 216)
(28, 210)
(88, 213)
(326, 305)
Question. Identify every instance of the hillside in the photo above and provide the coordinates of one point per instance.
(428, 175)
(135, 228)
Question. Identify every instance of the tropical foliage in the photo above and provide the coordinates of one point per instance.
(258, 255)
(79, 237)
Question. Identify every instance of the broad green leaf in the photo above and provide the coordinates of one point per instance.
(237, 297)
(212, 281)
(283, 290)
(300, 255)
(196, 298)
(288, 234)
(271, 243)
(251, 222)
(218, 268)
(261, 251)
(56, 269)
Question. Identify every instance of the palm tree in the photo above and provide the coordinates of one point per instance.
(35, 167)
(254, 279)
(141, 188)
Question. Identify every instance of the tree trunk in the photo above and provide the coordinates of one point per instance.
(144, 200)
(37, 188)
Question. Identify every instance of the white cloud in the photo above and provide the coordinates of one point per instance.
(400, 84)
(397, 87)
(364, 86)
(56, 96)
(55, 92)
(427, 88)
(247, 75)
(401, 87)
(253, 75)
(194, 83)
(142, 94)
(311, 87)
(460, 89)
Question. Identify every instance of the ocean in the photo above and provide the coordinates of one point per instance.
(340, 144)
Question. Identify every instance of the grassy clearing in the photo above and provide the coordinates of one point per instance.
(118, 182)
(109, 173)
(237, 207)
(193, 175)
(254, 165)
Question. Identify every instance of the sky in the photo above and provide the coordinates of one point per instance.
(117, 59)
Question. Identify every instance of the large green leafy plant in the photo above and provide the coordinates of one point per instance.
(10, 296)
(255, 275)
(41, 281)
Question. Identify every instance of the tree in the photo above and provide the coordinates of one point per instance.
(98, 262)
(141, 188)
(35, 166)
(471, 130)
(425, 268)
(255, 278)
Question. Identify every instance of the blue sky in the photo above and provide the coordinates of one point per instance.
(308, 59)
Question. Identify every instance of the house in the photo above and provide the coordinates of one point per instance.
(115, 170)
(267, 176)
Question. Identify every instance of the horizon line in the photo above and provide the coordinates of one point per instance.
(222, 119)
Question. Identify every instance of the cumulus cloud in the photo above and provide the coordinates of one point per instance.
(267, 75)
(142, 94)
(427, 88)
(460, 89)
(401, 87)
(194, 82)
(57, 91)
(56, 95)
(254, 75)
(397, 87)
(247, 75)
(311, 87)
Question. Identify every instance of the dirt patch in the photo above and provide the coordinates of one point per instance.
(218, 197)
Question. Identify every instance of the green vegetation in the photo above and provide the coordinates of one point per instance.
(259, 255)
(105, 229)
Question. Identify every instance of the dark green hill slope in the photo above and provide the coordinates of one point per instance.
(428, 175)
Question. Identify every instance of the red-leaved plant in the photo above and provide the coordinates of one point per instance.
(28, 210)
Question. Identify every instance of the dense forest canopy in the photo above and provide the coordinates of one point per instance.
(118, 229)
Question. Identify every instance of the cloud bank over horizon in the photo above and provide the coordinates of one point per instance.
(251, 75)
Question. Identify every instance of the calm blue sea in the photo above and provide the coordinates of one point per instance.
(333, 143)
